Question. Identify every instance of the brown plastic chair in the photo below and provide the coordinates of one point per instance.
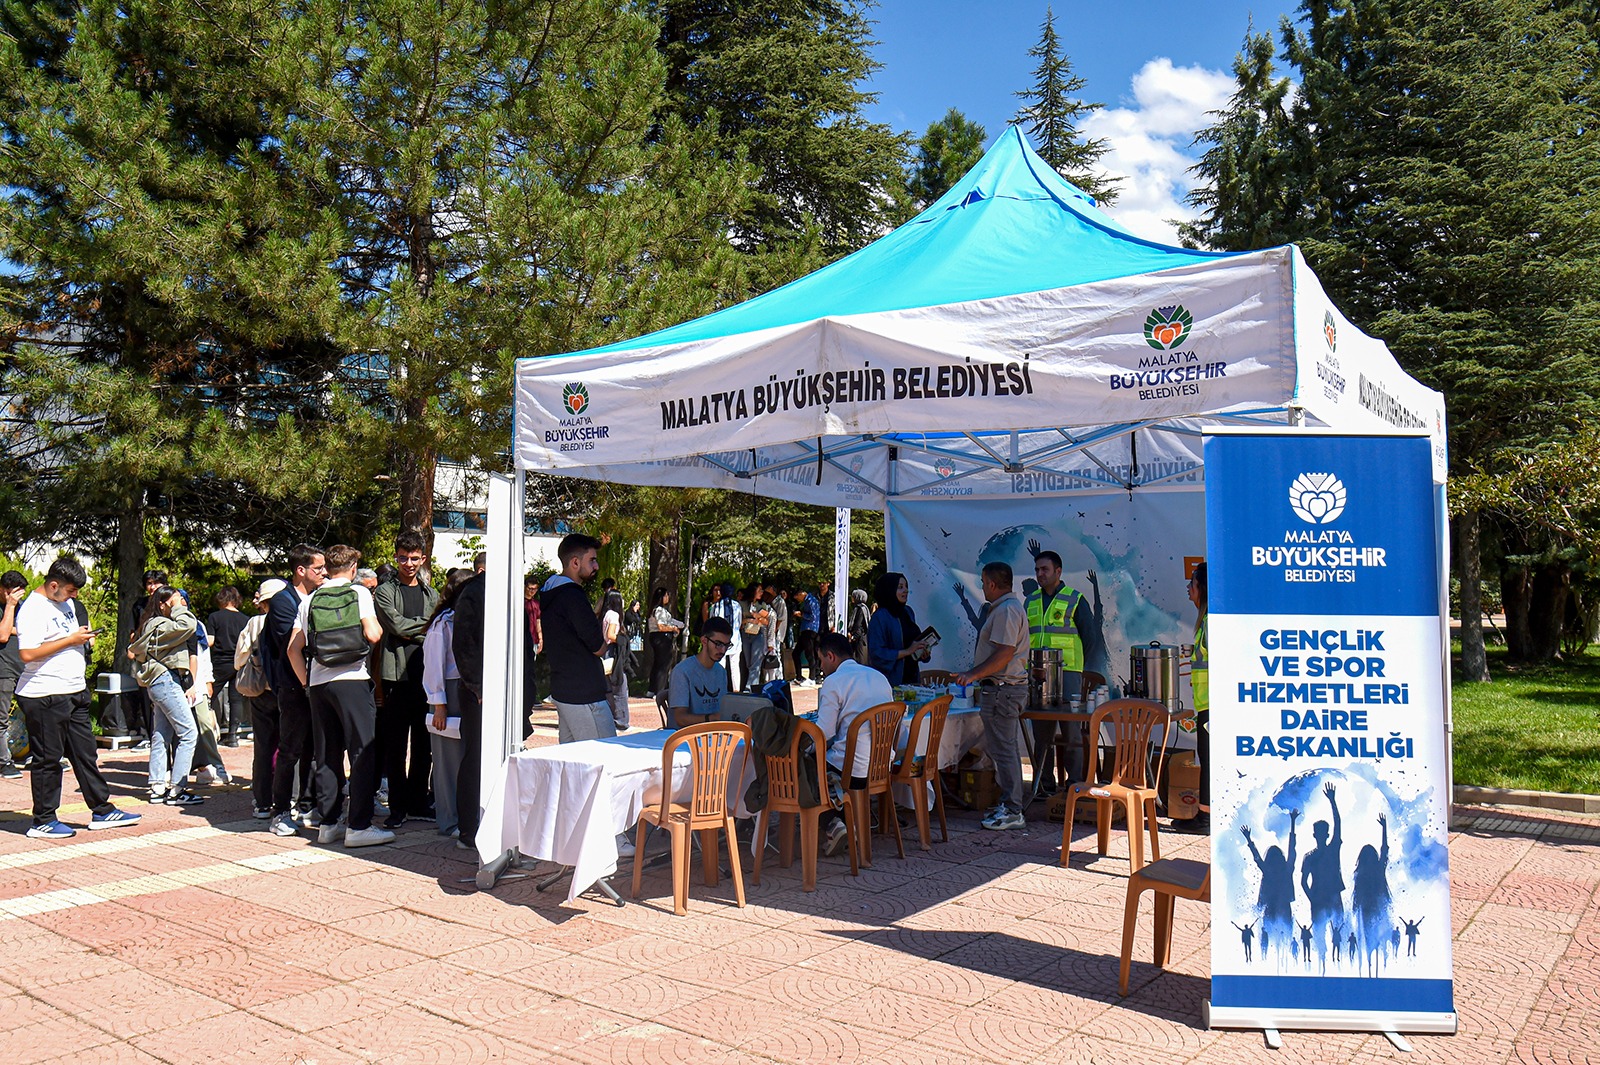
(783, 799)
(1169, 878)
(917, 773)
(712, 747)
(882, 724)
(1131, 722)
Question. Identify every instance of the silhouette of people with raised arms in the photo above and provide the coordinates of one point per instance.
(1370, 900)
(1276, 897)
(1305, 947)
(1338, 937)
(1246, 934)
(1321, 878)
(1412, 927)
(1350, 947)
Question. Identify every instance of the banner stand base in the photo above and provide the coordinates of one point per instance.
(1273, 1021)
(488, 874)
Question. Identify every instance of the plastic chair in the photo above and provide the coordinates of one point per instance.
(1131, 722)
(1169, 878)
(882, 724)
(712, 746)
(918, 771)
(783, 799)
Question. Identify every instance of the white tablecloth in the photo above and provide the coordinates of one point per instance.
(567, 803)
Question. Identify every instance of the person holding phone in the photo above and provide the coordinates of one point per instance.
(895, 643)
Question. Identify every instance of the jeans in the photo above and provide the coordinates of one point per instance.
(584, 721)
(171, 717)
(754, 647)
(1001, 713)
(57, 725)
(617, 696)
(347, 717)
(447, 764)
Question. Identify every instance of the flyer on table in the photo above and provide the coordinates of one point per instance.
(1330, 789)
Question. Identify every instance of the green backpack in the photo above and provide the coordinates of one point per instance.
(333, 621)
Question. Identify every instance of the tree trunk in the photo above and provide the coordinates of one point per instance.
(1474, 660)
(415, 467)
(131, 557)
(1516, 592)
(1547, 614)
(666, 565)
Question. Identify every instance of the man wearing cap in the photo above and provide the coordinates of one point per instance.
(263, 707)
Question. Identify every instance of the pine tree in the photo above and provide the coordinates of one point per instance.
(1246, 191)
(950, 147)
(1055, 114)
(779, 82)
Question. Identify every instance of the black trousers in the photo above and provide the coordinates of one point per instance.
(805, 648)
(468, 778)
(264, 720)
(59, 725)
(233, 715)
(661, 655)
(347, 722)
(400, 721)
(1202, 753)
(294, 742)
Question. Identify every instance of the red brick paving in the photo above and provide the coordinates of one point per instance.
(233, 945)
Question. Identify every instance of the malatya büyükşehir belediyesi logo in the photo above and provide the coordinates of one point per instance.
(1317, 498)
(1167, 327)
(575, 398)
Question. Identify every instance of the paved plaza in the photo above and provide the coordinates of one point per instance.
(198, 936)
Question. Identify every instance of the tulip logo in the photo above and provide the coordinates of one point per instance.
(1317, 498)
(1330, 331)
(575, 397)
(1167, 327)
(945, 467)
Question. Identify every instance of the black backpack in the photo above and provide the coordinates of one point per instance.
(333, 626)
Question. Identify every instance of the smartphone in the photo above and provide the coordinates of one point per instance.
(930, 637)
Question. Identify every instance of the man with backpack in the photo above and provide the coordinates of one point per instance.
(339, 625)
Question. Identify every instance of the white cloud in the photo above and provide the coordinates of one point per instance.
(1150, 142)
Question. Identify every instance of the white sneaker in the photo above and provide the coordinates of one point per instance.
(223, 776)
(834, 842)
(283, 825)
(306, 818)
(367, 837)
(333, 833)
(625, 848)
(205, 776)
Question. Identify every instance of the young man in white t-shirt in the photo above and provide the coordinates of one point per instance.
(343, 707)
(54, 697)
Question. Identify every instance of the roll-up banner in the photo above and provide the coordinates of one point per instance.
(1330, 788)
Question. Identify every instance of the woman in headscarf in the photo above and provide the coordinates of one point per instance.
(894, 641)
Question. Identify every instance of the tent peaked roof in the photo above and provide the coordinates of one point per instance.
(1012, 225)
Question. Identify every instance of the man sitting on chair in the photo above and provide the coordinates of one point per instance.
(699, 683)
(848, 689)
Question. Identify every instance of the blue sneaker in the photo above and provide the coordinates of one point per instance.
(52, 830)
(112, 819)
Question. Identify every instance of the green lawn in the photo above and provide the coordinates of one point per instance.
(1532, 727)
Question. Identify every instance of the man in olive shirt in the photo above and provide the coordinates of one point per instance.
(404, 606)
(1001, 664)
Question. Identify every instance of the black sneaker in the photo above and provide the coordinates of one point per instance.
(394, 821)
(184, 797)
(426, 815)
(1198, 825)
(9, 771)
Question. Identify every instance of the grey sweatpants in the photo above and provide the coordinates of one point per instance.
(1001, 714)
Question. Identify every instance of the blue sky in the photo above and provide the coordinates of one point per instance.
(1157, 65)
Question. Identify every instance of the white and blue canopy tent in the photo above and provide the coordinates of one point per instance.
(1011, 343)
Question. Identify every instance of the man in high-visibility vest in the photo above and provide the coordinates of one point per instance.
(1200, 681)
(1059, 617)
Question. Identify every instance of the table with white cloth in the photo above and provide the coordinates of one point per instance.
(567, 803)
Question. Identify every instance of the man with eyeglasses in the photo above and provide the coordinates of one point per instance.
(699, 683)
(404, 606)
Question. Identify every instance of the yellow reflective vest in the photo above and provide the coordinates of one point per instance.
(1200, 668)
(1055, 628)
